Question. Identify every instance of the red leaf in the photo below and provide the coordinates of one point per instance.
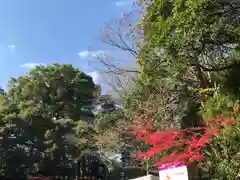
(169, 140)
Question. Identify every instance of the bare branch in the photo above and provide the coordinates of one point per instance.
(123, 38)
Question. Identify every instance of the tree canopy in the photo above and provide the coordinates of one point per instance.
(58, 91)
(41, 115)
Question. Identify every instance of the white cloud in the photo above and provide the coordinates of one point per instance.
(123, 3)
(31, 65)
(11, 47)
(85, 54)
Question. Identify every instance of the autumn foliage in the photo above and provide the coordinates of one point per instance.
(182, 145)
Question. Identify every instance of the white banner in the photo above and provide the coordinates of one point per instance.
(174, 173)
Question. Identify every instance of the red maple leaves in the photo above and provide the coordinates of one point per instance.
(184, 146)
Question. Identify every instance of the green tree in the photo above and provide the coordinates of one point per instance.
(40, 122)
(57, 91)
(223, 154)
(187, 46)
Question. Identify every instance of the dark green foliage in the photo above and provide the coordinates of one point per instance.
(128, 172)
(90, 165)
(39, 125)
(59, 91)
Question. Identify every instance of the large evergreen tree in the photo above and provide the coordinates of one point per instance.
(43, 125)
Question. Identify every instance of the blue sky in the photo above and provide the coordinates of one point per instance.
(49, 31)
